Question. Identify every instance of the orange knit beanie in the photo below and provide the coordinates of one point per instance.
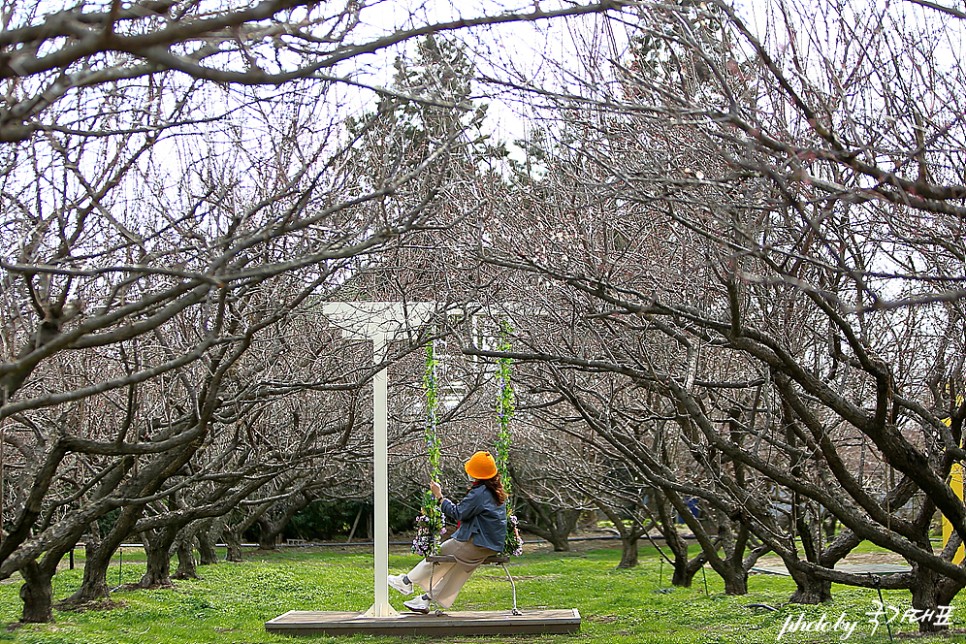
(481, 466)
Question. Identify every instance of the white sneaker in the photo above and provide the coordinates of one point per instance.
(396, 582)
(417, 605)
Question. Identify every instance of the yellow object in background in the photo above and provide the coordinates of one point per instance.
(956, 483)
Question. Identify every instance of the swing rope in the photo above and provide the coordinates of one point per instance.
(429, 523)
(430, 526)
(505, 408)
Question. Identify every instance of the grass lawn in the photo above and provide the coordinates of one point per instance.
(232, 602)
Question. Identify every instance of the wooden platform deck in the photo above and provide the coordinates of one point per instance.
(531, 622)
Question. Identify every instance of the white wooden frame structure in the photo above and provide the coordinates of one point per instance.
(380, 323)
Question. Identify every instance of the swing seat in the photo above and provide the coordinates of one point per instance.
(492, 559)
(500, 560)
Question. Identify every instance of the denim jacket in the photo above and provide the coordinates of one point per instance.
(480, 518)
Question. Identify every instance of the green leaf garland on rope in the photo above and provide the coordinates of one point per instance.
(432, 418)
(505, 408)
(429, 523)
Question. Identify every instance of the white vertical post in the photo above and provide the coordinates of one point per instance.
(379, 322)
(380, 482)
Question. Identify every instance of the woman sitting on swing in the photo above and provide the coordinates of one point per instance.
(481, 533)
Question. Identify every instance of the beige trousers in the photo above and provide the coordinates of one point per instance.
(448, 578)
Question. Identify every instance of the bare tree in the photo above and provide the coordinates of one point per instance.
(761, 195)
(176, 179)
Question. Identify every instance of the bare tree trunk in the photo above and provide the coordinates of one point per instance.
(233, 541)
(270, 527)
(559, 540)
(94, 583)
(157, 547)
(731, 541)
(629, 555)
(807, 521)
(206, 535)
(268, 534)
(37, 593)
(630, 535)
(207, 554)
(735, 579)
(685, 569)
(158, 574)
(809, 589)
(930, 590)
(187, 567)
(829, 524)
(554, 525)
